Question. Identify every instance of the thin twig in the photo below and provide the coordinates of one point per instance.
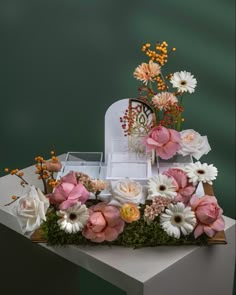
(12, 201)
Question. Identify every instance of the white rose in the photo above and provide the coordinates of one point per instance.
(31, 209)
(127, 191)
(192, 143)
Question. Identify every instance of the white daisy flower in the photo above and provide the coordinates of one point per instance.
(161, 185)
(74, 218)
(184, 81)
(197, 172)
(178, 219)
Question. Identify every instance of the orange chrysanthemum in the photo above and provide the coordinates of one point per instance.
(147, 72)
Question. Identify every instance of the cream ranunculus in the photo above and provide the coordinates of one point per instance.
(192, 143)
(31, 209)
(127, 191)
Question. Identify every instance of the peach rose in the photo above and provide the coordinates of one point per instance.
(129, 212)
(208, 214)
(164, 141)
(53, 166)
(104, 224)
(127, 191)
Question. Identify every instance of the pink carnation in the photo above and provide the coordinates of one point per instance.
(68, 192)
(183, 188)
(164, 141)
(104, 224)
(208, 214)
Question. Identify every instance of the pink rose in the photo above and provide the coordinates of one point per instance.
(53, 166)
(104, 224)
(68, 192)
(165, 141)
(183, 188)
(208, 214)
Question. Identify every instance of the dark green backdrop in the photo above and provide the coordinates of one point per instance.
(64, 62)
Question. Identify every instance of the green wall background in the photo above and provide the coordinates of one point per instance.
(63, 62)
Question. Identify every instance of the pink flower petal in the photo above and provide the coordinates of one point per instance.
(205, 200)
(66, 187)
(209, 231)
(110, 234)
(187, 191)
(88, 233)
(79, 193)
(205, 215)
(100, 237)
(174, 135)
(179, 176)
(194, 201)
(120, 226)
(67, 204)
(112, 215)
(99, 207)
(97, 222)
(55, 198)
(182, 198)
(70, 177)
(160, 134)
(168, 151)
(198, 231)
(219, 224)
(152, 142)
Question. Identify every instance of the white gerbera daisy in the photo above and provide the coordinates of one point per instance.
(161, 185)
(178, 219)
(73, 219)
(184, 81)
(197, 172)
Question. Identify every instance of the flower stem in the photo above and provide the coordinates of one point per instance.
(180, 115)
(157, 118)
(43, 180)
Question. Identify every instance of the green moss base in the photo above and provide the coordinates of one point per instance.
(137, 234)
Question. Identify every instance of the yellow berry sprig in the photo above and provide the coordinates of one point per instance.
(161, 84)
(41, 170)
(159, 54)
(47, 176)
(52, 182)
(17, 173)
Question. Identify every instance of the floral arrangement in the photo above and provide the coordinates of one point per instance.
(164, 211)
(164, 94)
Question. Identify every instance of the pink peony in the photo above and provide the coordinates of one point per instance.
(68, 192)
(183, 188)
(164, 141)
(53, 166)
(208, 214)
(104, 224)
